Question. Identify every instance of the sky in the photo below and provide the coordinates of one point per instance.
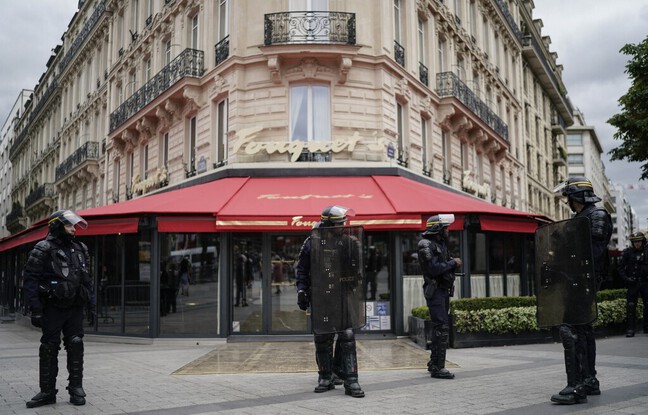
(586, 34)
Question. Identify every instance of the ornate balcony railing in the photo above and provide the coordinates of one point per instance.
(41, 102)
(509, 18)
(309, 27)
(46, 190)
(423, 74)
(15, 214)
(399, 53)
(222, 50)
(188, 63)
(88, 151)
(18, 142)
(449, 84)
(83, 34)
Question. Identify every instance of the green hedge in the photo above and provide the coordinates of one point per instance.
(499, 315)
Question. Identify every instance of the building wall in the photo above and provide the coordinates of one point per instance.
(113, 51)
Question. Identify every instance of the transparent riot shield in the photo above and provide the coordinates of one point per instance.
(564, 273)
(337, 279)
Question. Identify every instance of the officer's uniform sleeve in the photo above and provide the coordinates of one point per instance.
(601, 227)
(623, 263)
(88, 282)
(34, 275)
(302, 270)
(431, 265)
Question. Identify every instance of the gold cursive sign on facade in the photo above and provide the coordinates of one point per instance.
(296, 148)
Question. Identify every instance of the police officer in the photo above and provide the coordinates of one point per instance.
(438, 268)
(633, 269)
(58, 286)
(578, 340)
(343, 363)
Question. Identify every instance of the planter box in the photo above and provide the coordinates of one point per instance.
(421, 334)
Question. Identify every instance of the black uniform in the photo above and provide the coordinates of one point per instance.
(438, 273)
(341, 362)
(58, 287)
(633, 269)
(579, 340)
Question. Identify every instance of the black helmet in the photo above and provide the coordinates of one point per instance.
(335, 214)
(638, 237)
(579, 189)
(60, 218)
(437, 223)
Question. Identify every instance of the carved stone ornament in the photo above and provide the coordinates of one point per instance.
(219, 85)
(275, 70)
(402, 90)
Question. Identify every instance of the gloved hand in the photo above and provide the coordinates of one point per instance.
(37, 320)
(302, 300)
(91, 316)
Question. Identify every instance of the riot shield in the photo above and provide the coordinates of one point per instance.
(564, 273)
(337, 279)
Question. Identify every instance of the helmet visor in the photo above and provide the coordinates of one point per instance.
(560, 187)
(69, 217)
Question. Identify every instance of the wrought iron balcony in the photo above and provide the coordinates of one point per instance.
(18, 142)
(82, 36)
(87, 152)
(423, 74)
(309, 27)
(188, 63)
(509, 18)
(45, 191)
(449, 84)
(399, 53)
(41, 102)
(13, 217)
(222, 50)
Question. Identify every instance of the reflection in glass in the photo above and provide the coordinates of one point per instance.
(286, 315)
(247, 288)
(188, 295)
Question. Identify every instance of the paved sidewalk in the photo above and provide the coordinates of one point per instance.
(139, 379)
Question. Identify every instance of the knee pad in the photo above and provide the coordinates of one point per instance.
(74, 343)
(567, 336)
(347, 335)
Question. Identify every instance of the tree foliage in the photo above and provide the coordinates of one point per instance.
(632, 121)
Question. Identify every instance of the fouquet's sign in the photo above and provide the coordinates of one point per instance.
(246, 142)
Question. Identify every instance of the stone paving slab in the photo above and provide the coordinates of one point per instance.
(123, 378)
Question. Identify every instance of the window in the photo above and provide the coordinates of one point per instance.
(442, 62)
(310, 113)
(401, 129)
(167, 53)
(144, 163)
(164, 150)
(192, 145)
(147, 70)
(149, 8)
(130, 168)
(135, 23)
(574, 140)
(575, 159)
(223, 26)
(446, 151)
(421, 41)
(221, 133)
(427, 166)
(397, 21)
(195, 33)
(116, 184)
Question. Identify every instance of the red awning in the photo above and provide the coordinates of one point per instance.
(507, 224)
(294, 204)
(33, 234)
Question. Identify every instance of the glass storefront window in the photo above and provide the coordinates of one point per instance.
(377, 286)
(286, 315)
(248, 286)
(188, 294)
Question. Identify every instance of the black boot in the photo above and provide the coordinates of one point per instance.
(438, 347)
(631, 316)
(349, 364)
(324, 358)
(574, 392)
(48, 370)
(75, 369)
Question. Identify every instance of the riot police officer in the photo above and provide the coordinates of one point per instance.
(578, 340)
(343, 361)
(633, 269)
(438, 268)
(58, 286)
